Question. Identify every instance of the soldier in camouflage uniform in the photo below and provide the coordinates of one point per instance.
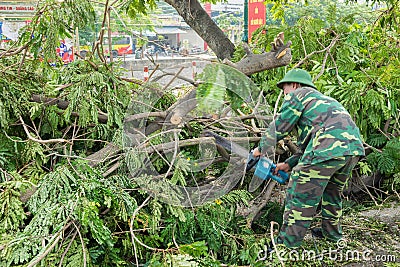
(330, 146)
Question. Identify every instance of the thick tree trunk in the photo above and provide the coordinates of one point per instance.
(198, 19)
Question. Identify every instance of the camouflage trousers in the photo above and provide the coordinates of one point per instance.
(310, 185)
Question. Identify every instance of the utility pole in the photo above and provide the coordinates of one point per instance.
(109, 34)
(245, 37)
(77, 42)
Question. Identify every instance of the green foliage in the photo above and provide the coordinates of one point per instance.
(88, 212)
(34, 152)
(165, 101)
(211, 94)
(237, 196)
(100, 220)
(387, 161)
(93, 90)
(48, 28)
(223, 83)
(182, 166)
(13, 92)
(289, 11)
(356, 71)
(52, 207)
(377, 140)
(11, 208)
(364, 168)
(4, 155)
(135, 7)
(196, 249)
(214, 228)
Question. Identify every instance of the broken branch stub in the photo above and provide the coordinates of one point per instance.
(279, 56)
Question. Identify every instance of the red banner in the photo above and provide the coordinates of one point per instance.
(256, 16)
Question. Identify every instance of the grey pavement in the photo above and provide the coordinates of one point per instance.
(168, 67)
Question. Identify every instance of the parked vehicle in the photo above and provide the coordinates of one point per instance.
(195, 50)
(120, 44)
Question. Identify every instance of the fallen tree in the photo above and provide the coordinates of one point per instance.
(82, 181)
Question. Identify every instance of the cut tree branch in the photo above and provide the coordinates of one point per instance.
(280, 55)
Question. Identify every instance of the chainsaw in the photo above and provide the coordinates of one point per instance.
(264, 168)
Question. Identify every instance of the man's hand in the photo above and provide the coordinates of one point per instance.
(282, 166)
(279, 166)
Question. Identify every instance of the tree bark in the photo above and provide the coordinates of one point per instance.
(252, 211)
(198, 19)
(254, 63)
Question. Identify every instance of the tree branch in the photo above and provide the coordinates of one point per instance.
(334, 40)
(50, 248)
(63, 104)
(280, 55)
(30, 137)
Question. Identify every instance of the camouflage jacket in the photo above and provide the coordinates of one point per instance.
(325, 129)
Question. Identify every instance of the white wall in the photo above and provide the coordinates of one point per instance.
(193, 38)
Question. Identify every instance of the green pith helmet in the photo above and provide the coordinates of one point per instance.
(297, 76)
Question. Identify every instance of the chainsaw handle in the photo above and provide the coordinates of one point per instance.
(282, 178)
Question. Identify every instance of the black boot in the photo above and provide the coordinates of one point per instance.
(317, 232)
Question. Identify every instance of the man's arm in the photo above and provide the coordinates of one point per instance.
(287, 119)
(294, 159)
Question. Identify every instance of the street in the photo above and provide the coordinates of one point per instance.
(190, 65)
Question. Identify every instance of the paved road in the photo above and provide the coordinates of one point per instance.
(170, 65)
